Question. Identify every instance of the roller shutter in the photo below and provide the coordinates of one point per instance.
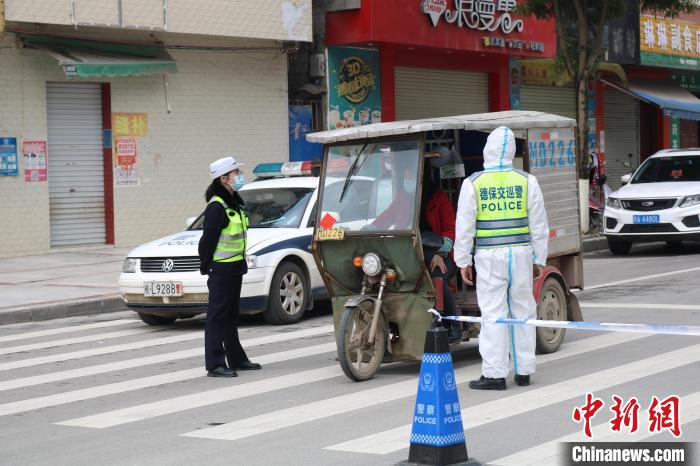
(556, 100)
(76, 173)
(621, 135)
(426, 93)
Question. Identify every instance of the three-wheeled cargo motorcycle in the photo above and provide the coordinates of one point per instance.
(370, 247)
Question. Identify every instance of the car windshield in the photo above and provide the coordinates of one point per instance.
(276, 207)
(272, 207)
(667, 169)
(371, 186)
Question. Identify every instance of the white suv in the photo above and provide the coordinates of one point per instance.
(659, 202)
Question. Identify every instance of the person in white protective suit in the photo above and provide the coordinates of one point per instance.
(501, 210)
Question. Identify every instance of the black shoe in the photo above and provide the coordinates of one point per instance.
(486, 383)
(222, 371)
(455, 334)
(247, 366)
(522, 380)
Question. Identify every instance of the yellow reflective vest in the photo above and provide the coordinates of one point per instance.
(232, 241)
(501, 218)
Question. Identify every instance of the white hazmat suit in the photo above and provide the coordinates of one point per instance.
(504, 274)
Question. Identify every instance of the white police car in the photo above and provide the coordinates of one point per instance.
(659, 202)
(161, 279)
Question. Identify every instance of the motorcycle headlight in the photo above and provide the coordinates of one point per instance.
(130, 265)
(614, 202)
(687, 201)
(371, 264)
(252, 261)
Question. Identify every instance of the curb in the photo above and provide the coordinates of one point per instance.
(597, 243)
(57, 310)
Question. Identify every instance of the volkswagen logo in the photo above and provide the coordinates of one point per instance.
(168, 265)
(648, 203)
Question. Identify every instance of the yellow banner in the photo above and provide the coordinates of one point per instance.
(669, 36)
(129, 124)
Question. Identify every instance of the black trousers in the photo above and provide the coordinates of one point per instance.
(448, 299)
(221, 341)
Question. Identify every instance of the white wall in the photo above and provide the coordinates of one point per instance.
(223, 103)
(262, 19)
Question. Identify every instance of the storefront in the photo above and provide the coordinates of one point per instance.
(440, 58)
(545, 88)
(107, 130)
(655, 108)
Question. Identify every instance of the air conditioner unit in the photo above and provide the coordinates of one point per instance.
(317, 65)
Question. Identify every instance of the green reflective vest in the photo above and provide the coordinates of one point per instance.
(501, 218)
(232, 241)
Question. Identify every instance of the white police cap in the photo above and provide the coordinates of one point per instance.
(222, 167)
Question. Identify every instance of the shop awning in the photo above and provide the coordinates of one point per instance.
(673, 99)
(86, 59)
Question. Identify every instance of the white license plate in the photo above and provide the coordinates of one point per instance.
(645, 219)
(162, 289)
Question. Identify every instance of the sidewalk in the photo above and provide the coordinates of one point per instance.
(80, 282)
(61, 284)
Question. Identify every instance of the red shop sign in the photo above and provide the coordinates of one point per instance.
(468, 25)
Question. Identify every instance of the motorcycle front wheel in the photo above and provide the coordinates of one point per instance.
(359, 359)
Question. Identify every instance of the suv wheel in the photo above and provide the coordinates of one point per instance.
(619, 248)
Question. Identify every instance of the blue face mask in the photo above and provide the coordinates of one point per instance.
(238, 184)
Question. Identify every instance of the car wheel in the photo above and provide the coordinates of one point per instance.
(150, 319)
(674, 245)
(552, 306)
(619, 248)
(288, 295)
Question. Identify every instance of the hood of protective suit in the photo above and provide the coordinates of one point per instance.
(500, 148)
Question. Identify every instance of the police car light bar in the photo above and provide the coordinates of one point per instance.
(272, 170)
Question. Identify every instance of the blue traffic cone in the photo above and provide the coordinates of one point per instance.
(437, 436)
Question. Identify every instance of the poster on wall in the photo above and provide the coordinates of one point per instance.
(300, 122)
(9, 165)
(126, 158)
(354, 90)
(515, 80)
(127, 129)
(34, 160)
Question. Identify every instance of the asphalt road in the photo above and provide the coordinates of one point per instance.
(110, 390)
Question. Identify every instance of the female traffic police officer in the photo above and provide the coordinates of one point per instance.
(222, 256)
(503, 209)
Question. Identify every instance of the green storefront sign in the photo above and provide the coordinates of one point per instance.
(687, 80)
(675, 133)
(668, 61)
(354, 89)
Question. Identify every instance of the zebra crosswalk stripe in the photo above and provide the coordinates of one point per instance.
(395, 439)
(58, 331)
(76, 340)
(333, 406)
(144, 382)
(197, 400)
(187, 336)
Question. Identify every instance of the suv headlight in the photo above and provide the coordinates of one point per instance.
(371, 264)
(687, 201)
(252, 261)
(614, 202)
(130, 265)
